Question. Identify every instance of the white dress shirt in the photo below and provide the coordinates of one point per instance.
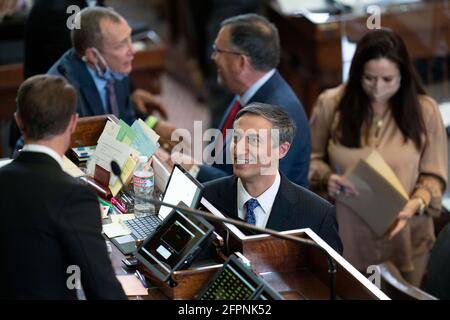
(245, 98)
(43, 149)
(266, 200)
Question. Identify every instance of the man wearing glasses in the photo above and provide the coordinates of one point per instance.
(246, 52)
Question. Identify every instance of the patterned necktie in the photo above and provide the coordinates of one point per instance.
(112, 100)
(251, 205)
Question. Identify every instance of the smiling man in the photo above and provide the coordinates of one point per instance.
(99, 64)
(257, 192)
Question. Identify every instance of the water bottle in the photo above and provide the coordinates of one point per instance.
(143, 184)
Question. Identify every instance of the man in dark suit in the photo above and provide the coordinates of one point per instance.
(257, 192)
(99, 63)
(51, 227)
(438, 270)
(98, 66)
(246, 52)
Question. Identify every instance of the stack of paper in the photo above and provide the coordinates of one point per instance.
(70, 168)
(381, 195)
(83, 153)
(123, 144)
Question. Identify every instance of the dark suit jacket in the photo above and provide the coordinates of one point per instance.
(295, 165)
(46, 34)
(438, 276)
(89, 102)
(49, 221)
(295, 207)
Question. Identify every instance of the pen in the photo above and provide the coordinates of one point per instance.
(141, 278)
(338, 171)
(118, 205)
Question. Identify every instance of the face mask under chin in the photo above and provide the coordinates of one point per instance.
(108, 74)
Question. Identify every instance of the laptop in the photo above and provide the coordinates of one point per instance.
(181, 187)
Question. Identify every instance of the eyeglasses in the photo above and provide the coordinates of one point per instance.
(217, 50)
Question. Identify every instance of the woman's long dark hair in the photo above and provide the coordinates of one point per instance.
(354, 107)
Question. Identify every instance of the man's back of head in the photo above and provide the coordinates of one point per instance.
(45, 106)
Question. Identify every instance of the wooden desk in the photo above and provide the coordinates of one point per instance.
(311, 57)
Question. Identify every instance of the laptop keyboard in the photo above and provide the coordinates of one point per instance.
(143, 227)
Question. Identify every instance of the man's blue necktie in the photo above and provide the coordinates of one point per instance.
(251, 205)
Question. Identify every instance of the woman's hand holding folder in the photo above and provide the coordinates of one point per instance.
(411, 207)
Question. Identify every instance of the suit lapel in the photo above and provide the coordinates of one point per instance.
(91, 98)
(284, 207)
(230, 196)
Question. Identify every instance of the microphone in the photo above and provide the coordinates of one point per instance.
(117, 171)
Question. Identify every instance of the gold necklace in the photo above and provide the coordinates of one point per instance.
(377, 122)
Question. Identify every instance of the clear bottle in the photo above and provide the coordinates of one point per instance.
(143, 184)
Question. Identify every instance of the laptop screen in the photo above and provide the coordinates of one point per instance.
(181, 187)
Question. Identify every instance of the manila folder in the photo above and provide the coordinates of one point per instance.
(378, 202)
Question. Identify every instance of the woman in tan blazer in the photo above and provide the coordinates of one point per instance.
(383, 106)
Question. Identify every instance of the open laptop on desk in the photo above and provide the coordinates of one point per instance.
(181, 187)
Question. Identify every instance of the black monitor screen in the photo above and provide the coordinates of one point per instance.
(177, 237)
(174, 243)
(232, 283)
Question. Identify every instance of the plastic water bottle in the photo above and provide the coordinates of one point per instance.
(143, 184)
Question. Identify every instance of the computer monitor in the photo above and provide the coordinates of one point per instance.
(182, 187)
(234, 281)
(175, 244)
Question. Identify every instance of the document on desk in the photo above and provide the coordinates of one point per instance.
(126, 134)
(127, 172)
(146, 140)
(109, 149)
(111, 128)
(113, 230)
(131, 285)
(381, 194)
(70, 168)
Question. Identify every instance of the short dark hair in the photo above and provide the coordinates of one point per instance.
(45, 105)
(280, 119)
(354, 107)
(257, 37)
(90, 34)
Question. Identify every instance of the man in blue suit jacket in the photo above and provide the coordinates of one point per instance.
(246, 53)
(101, 57)
(257, 192)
